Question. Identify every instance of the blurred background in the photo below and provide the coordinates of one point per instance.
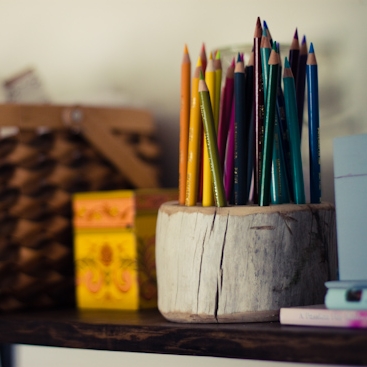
(128, 53)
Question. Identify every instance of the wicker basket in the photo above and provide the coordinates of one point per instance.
(46, 154)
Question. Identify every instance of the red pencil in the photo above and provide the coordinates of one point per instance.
(204, 59)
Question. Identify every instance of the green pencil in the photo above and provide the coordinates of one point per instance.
(293, 132)
(270, 105)
(211, 143)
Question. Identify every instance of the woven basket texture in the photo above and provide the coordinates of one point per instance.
(39, 171)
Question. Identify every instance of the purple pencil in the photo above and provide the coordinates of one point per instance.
(229, 162)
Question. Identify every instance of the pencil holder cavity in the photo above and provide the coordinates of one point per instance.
(242, 263)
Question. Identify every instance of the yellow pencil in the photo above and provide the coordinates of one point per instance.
(208, 195)
(184, 123)
(195, 137)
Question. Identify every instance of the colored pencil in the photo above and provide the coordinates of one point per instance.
(208, 198)
(284, 131)
(211, 142)
(301, 82)
(265, 50)
(268, 34)
(218, 88)
(240, 150)
(258, 110)
(294, 51)
(195, 139)
(313, 126)
(229, 162)
(270, 108)
(249, 118)
(279, 191)
(184, 123)
(204, 60)
(225, 112)
(293, 131)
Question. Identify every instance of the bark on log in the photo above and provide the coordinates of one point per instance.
(242, 264)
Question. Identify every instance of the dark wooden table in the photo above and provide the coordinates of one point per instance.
(149, 332)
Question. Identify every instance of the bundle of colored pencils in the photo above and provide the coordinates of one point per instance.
(240, 142)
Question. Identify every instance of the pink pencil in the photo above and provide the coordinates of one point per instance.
(227, 97)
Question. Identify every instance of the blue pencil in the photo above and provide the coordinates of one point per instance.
(313, 126)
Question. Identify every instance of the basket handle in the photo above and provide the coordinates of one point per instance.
(96, 125)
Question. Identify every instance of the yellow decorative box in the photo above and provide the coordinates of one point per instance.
(114, 247)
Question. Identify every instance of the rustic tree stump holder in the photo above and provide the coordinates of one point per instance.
(242, 264)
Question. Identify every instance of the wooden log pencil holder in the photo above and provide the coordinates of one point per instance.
(242, 263)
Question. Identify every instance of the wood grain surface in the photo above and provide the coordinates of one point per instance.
(149, 332)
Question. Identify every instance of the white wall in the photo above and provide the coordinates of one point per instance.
(118, 51)
(121, 51)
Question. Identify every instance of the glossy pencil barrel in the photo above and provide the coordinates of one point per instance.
(294, 136)
(208, 198)
(258, 111)
(184, 123)
(211, 144)
(225, 113)
(194, 145)
(264, 197)
(241, 144)
(314, 128)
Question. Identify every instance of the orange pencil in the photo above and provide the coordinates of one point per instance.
(195, 139)
(184, 124)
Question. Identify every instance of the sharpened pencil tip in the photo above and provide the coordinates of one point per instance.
(217, 55)
(201, 75)
(258, 29)
(186, 50)
(311, 48)
(304, 40)
(296, 34)
(199, 64)
(238, 57)
(265, 24)
(286, 63)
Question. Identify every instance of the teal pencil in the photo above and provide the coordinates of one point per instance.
(279, 191)
(270, 109)
(293, 131)
(265, 50)
(211, 143)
